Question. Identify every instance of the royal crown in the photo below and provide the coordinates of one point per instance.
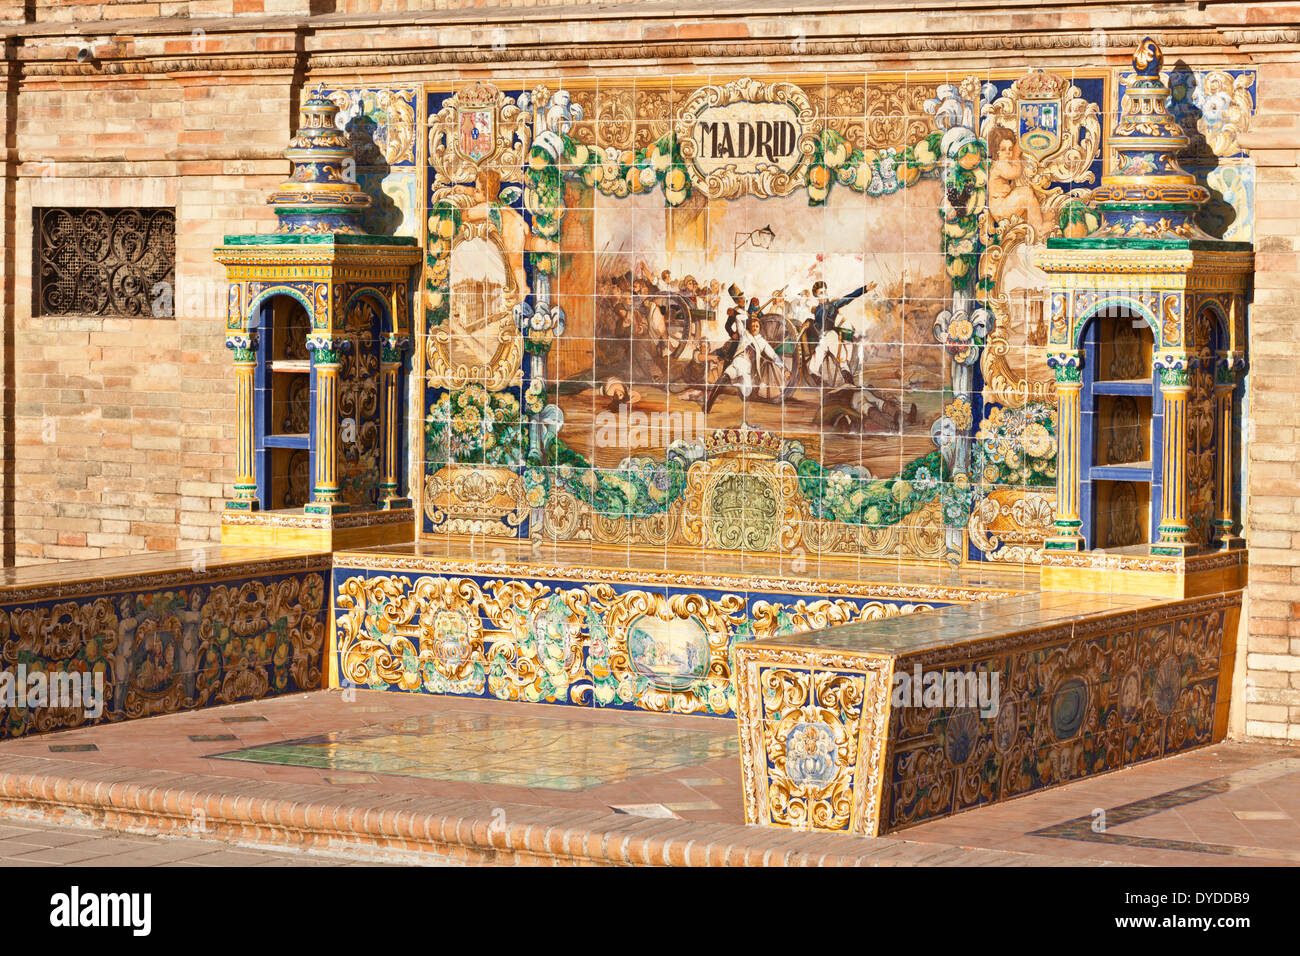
(742, 441)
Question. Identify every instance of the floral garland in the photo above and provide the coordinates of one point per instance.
(638, 488)
(473, 425)
(614, 172)
(641, 487)
(443, 225)
(870, 171)
(841, 495)
(1016, 446)
(965, 199)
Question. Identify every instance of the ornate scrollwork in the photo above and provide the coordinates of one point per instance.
(392, 143)
(775, 618)
(1057, 133)
(1003, 383)
(504, 344)
(895, 114)
(1216, 104)
(1063, 144)
(724, 181)
(715, 512)
(1010, 525)
(478, 141)
(106, 262)
(743, 503)
(810, 734)
(668, 652)
(429, 634)
(467, 499)
(478, 126)
(1125, 435)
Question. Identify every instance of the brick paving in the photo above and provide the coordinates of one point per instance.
(25, 843)
(1231, 804)
(367, 781)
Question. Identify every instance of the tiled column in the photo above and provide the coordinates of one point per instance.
(391, 367)
(244, 347)
(1229, 365)
(326, 355)
(1175, 387)
(1069, 435)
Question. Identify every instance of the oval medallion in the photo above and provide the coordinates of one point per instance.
(1069, 705)
(810, 755)
(673, 654)
(1129, 690)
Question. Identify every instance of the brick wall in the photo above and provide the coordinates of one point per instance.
(142, 454)
(91, 11)
(124, 428)
(1270, 695)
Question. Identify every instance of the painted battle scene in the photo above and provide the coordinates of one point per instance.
(764, 313)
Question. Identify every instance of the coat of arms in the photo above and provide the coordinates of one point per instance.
(1040, 126)
(477, 126)
(1055, 126)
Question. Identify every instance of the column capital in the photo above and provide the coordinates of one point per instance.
(1175, 367)
(391, 348)
(327, 349)
(1068, 366)
(243, 345)
(1228, 367)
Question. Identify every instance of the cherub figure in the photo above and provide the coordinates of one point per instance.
(1008, 195)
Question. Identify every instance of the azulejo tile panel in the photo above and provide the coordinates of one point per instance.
(748, 314)
(192, 640)
(820, 731)
(1041, 707)
(560, 754)
(638, 644)
(383, 132)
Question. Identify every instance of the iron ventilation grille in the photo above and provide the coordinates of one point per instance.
(110, 262)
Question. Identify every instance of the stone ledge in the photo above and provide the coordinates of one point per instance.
(418, 830)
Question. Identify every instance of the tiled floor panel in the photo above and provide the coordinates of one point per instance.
(1231, 804)
(496, 748)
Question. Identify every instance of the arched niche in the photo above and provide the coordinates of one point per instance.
(284, 399)
(1121, 422)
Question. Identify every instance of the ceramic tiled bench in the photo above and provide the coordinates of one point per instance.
(863, 728)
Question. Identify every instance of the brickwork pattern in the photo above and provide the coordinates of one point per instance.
(118, 435)
(125, 427)
(1272, 496)
(440, 832)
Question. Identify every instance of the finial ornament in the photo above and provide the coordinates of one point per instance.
(322, 194)
(1147, 195)
(1147, 59)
